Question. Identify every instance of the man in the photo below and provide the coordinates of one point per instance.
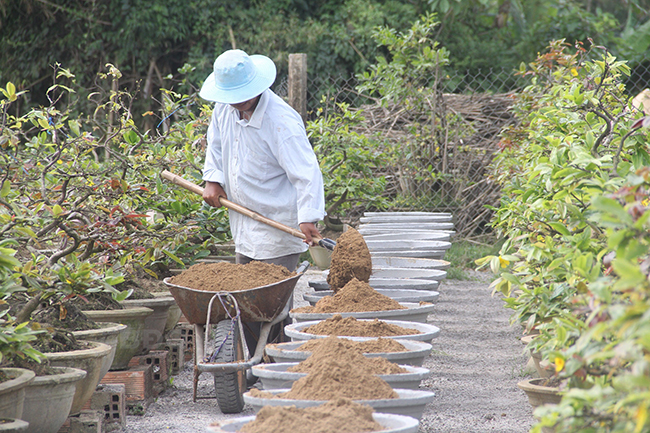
(259, 156)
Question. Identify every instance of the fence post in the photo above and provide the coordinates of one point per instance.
(298, 83)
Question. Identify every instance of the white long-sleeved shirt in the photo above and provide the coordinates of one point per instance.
(267, 165)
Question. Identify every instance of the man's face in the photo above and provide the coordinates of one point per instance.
(246, 105)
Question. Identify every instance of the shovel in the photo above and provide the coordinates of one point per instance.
(323, 242)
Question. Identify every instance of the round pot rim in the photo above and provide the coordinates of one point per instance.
(96, 350)
(22, 375)
(161, 301)
(130, 312)
(106, 328)
(530, 385)
(67, 374)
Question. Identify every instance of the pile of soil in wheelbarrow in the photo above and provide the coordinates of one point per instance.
(351, 327)
(333, 347)
(333, 379)
(350, 259)
(355, 296)
(379, 345)
(231, 277)
(341, 415)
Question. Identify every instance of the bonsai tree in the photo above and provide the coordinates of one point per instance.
(81, 195)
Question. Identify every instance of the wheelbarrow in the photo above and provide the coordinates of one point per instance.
(221, 349)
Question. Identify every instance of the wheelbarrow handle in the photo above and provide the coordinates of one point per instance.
(190, 186)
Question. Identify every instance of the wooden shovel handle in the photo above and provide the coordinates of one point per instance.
(190, 186)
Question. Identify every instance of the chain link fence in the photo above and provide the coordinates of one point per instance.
(445, 169)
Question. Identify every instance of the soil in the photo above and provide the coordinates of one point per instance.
(476, 360)
(97, 301)
(351, 327)
(355, 296)
(350, 259)
(341, 415)
(231, 277)
(333, 347)
(334, 378)
(379, 345)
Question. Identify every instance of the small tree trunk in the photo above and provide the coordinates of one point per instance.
(298, 83)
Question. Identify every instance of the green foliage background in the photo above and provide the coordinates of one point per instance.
(152, 41)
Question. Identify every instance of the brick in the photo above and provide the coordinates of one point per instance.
(110, 400)
(186, 333)
(86, 422)
(160, 362)
(137, 380)
(176, 349)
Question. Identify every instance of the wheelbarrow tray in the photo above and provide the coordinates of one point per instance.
(259, 304)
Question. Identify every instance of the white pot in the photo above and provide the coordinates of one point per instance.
(415, 354)
(390, 422)
(410, 402)
(427, 332)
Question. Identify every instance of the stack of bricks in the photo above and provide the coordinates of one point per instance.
(137, 381)
(160, 362)
(185, 332)
(88, 421)
(176, 349)
(110, 402)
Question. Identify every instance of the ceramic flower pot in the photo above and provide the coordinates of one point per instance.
(108, 333)
(543, 368)
(129, 341)
(13, 425)
(90, 359)
(48, 399)
(12, 391)
(539, 394)
(154, 324)
(174, 314)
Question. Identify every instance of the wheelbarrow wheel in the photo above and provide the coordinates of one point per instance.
(229, 387)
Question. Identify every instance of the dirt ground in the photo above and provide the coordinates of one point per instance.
(476, 362)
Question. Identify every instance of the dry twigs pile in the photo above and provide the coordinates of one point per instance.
(465, 135)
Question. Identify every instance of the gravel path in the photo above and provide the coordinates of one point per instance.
(476, 361)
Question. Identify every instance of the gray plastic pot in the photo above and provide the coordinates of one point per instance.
(408, 245)
(380, 228)
(413, 313)
(430, 235)
(407, 212)
(398, 295)
(415, 220)
(276, 376)
(388, 283)
(420, 254)
(427, 332)
(441, 242)
(401, 273)
(408, 262)
(390, 422)
(417, 351)
(410, 402)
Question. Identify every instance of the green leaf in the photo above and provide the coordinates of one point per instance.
(613, 208)
(630, 273)
(56, 210)
(74, 127)
(173, 257)
(120, 296)
(560, 228)
(6, 188)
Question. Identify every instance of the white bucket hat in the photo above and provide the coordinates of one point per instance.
(238, 77)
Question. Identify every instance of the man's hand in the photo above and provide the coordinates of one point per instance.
(311, 233)
(212, 192)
